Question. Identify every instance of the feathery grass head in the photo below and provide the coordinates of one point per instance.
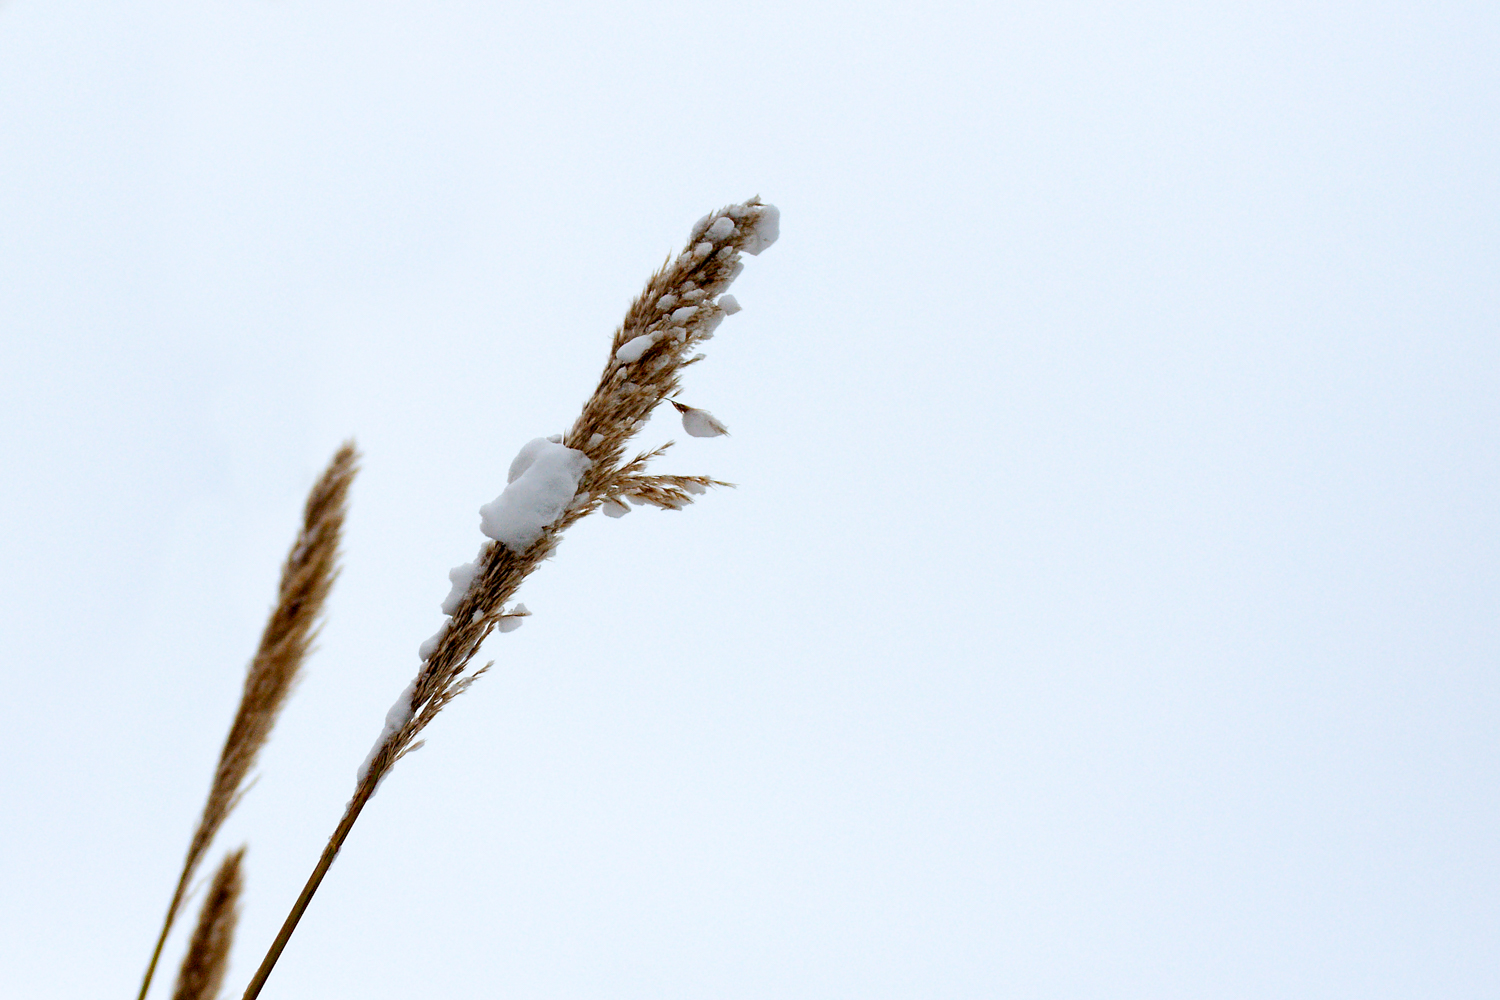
(571, 476)
(207, 957)
(555, 481)
(306, 577)
(679, 309)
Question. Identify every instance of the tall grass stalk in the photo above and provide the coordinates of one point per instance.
(306, 577)
(554, 482)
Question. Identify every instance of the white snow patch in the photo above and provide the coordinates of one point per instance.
(666, 302)
(524, 458)
(430, 645)
(631, 350)
(721, 228)
(701, 423)
(697, 489)
(596, 440)
(461, 577)
(614, 508)
(763, 231)
(537, 497)
(703, 249)
(399, 715)
(729, 304)
(684, 314)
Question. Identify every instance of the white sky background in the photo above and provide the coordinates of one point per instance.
(1108, 606)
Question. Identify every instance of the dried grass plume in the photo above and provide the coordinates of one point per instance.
(306, 577)
(556, 481)
(207, 956)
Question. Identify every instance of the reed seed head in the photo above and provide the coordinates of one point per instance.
(207, 956)
(556, 481)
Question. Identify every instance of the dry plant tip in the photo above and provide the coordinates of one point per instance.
(306, 578)
(207, 956)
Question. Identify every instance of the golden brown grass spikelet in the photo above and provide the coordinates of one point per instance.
(207, 956)
(679, 309)
(306, 578)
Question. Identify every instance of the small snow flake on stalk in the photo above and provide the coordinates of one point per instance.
(511, 620)
(699, 423)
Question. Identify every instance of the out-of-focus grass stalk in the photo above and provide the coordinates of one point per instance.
(207, 957)
(306, 577)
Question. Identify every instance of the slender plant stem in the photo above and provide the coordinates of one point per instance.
(361, 796)
(166, 928)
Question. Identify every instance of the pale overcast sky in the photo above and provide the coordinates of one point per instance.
(1108, 606)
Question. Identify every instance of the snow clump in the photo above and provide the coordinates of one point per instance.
(543, 481)
(721, 228)
(399, 715)
(700, 423)
(763, 231)
(631, 351)
(461, 577)
(430, 644)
